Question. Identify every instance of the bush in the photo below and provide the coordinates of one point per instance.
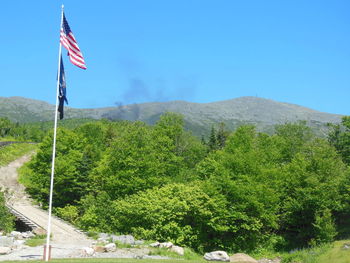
(182, 214)
(6, 219)
(324, 226)
(68, 213)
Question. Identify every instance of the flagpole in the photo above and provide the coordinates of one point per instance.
(48, 232)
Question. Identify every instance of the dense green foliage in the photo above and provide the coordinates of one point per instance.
(239, 192)
(339, 137)
(35, 131)
(6, 219)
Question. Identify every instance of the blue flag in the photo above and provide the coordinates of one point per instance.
(62, 90)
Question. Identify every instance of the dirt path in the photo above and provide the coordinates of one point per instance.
(63, 234)
(8, 179)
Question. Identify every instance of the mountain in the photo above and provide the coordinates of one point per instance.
(199, 117)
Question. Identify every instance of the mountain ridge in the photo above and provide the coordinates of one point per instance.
(264, 113)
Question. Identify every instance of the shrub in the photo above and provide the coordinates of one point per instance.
(6, 219)
(182, 214)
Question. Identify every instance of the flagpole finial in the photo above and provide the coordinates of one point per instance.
(62, 6)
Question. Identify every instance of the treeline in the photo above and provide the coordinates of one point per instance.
(35, 131)
(238, 191)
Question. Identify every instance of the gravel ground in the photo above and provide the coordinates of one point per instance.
(60, 250)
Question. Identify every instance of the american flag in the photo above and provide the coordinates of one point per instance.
(68, 41)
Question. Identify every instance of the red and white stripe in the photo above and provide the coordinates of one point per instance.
(75, 55)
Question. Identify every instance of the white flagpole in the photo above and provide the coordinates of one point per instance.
(48, 232)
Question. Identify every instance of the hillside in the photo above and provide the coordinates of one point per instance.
(199, 117)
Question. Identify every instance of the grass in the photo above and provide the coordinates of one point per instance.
(36, 241)
(309, 255)
(329, 253)
(189, 254)
(337, 254)
(11, 152)
(23, 175)
(164, 252)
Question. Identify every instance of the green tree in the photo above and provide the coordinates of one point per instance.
(339, 137)
(182, 214)
(5, 126)
(311, 184)
(222, 135)
(171, 125)
(96, 213)
(6, 219)
(70, 182)
(243, 175)
(137, 160)
(293, 137)
(213, 143)
(324, 227)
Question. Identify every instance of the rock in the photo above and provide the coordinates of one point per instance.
(111, 247)
(139, 242)
(16, 234)
(242, 258)
(346, 246)
(178, 250)
(155, 244)
(124, 239)
(87, 252)
(99, 249)
(166, 245)
(217, 256)
(103, 236)
(27, 234)
(6, 241)
(5, 250)
(18, 243)
(39, 231)
(102, 240)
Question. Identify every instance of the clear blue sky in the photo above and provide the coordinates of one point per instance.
(295, 51)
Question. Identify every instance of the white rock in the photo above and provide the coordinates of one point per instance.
(178, 250)
(18, 243)
(103, 236)
(155, 244)
(27, 234)
(6, 241)
(102, 240)
(5, 250)
(217, 256)
(166, 245)
(87, 252)
(111, 247)
(124, 239)
(16, 234)
(139, 242)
